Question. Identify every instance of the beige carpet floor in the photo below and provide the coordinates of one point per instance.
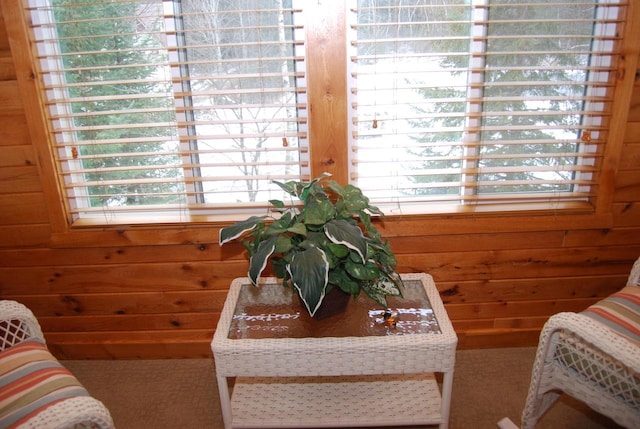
(173, 394)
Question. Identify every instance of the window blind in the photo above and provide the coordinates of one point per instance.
(481, 102)
(172, 108)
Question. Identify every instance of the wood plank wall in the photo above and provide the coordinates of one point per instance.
(158, 292)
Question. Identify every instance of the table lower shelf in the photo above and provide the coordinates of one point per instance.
(348, 401)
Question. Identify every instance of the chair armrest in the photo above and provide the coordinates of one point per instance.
(17, 323)
(634, 276)
(596, 334)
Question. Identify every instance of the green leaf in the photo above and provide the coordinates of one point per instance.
(300, 189)
(239, 228)
(258, 260)
(309, 187)
(289, 187)
(344, 282)
(279, 266)
(339, 250)
(319, 210)
(379, 289)
(335, 187)
(316, 239)
(375, 210)
(283, 244)
(368, 271)
(354, 200)
(277, 204)
(371, 230)
(387, 259)
(298, 228)
(278, 226)
(341, 231)
(309, 271)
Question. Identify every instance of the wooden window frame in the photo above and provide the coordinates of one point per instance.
(328, 136)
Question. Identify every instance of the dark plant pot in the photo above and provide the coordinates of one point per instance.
(334, 302)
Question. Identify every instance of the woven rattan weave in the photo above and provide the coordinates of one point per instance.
(336, 381)
(18, 324)
(583, 358)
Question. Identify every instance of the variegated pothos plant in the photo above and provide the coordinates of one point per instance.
(328, 241)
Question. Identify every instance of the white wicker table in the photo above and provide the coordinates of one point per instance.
(286, 370)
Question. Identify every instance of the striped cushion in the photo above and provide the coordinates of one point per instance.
(620, 312)
(31, 380)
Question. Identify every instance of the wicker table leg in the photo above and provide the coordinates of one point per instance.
(447, 386)
(225, 400)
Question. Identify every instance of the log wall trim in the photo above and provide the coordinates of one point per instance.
(157, 292)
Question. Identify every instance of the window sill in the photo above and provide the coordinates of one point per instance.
(204, 228)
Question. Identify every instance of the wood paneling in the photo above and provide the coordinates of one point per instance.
(137, 303)
(23, 178)
(627, 185)
(17, 156)
(10, 98)
(634, 109)
(28, 208)
(13, 129)
(151, 292)
(632, 133)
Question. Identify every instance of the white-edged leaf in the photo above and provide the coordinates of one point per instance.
(309, 271)
(238, 229)
(258, 260)
(340, 231)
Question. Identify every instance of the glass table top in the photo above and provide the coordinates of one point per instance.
(274, 311)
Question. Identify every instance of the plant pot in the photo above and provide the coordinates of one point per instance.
(334, 302)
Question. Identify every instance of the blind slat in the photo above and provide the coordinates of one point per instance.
(166, 168)
(93, 84)
(130, 155)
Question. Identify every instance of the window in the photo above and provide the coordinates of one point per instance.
(481, 102)
(163, 109)
(163, 106)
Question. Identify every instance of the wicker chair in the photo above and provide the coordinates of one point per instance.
(591, 359)
(36, 391)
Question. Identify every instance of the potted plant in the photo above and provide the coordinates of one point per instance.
(325, 243)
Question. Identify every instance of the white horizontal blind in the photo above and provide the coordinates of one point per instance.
(462, 102)
(172, 108)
